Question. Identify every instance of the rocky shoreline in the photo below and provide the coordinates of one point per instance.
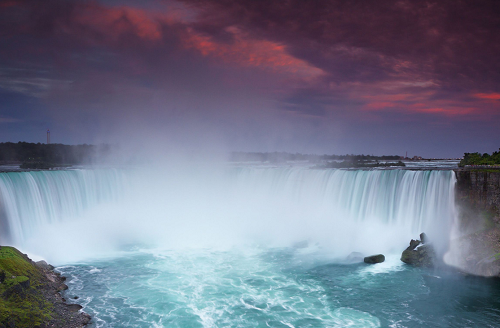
(66, 315)
(30, 294)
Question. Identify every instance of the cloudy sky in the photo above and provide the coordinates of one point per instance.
(338, 76)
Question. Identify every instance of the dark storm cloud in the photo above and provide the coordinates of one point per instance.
(437, 36)
(453, 44)
(284, 71)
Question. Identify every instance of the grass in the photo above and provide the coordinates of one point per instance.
(24, 307)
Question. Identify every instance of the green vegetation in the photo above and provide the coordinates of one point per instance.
(21, 301)
(478, 159)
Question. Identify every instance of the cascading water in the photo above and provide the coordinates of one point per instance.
(412, 201)
(218, 248)
(351, 204)
(31, 199)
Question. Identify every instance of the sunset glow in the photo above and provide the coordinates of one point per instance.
(253, 76)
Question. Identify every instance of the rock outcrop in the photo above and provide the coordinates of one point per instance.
(420, 253)
(477, 250)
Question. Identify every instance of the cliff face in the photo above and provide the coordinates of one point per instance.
(477, 251)
(479, 190)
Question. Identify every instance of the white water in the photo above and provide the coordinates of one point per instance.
(66, 216)
(29, 200)
(244, 247)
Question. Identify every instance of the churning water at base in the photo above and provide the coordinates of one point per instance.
(215, 248)
(259, 287)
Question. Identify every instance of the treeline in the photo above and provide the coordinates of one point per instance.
(478, 159)
(38, 155)
(280, 157)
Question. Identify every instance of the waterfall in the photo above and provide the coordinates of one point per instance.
(414, 198)
(30, 199)
(351, 210)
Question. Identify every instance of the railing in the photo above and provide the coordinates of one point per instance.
(482, 166)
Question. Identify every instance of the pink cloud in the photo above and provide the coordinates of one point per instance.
(249, 52)
(488, 96)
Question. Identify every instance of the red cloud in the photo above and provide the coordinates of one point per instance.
(417, 103)
(245, 51)
(7, 4)
(113, 22)
(488, 96)
(248, 52)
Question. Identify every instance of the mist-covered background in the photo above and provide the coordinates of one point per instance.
(372, 77)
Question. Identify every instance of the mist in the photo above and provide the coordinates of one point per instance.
(210, 204)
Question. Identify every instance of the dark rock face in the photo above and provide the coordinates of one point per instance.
(418, 254)
(424, 256)
(479, 189)
(379, 258)
(413, 244)
(478, 199)
(66, 315)
(74, 307)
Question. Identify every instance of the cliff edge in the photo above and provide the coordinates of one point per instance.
(477, 248)
(30, 294)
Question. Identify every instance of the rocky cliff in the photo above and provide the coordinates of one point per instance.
(479, 190)
(477, 250)
(30, 295)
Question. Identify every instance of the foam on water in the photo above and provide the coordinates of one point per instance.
(270, 287)
(214, 289)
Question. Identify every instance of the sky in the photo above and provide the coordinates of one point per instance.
(324, 77)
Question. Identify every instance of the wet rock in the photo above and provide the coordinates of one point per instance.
(74, 307)
(413, 244)
(355, 257)
(420, 253)
(379, 258)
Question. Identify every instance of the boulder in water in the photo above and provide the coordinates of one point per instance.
(74, 307)
(379, 258)
(420, 253)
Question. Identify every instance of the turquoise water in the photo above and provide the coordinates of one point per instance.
(279, 287)
(214, 247)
